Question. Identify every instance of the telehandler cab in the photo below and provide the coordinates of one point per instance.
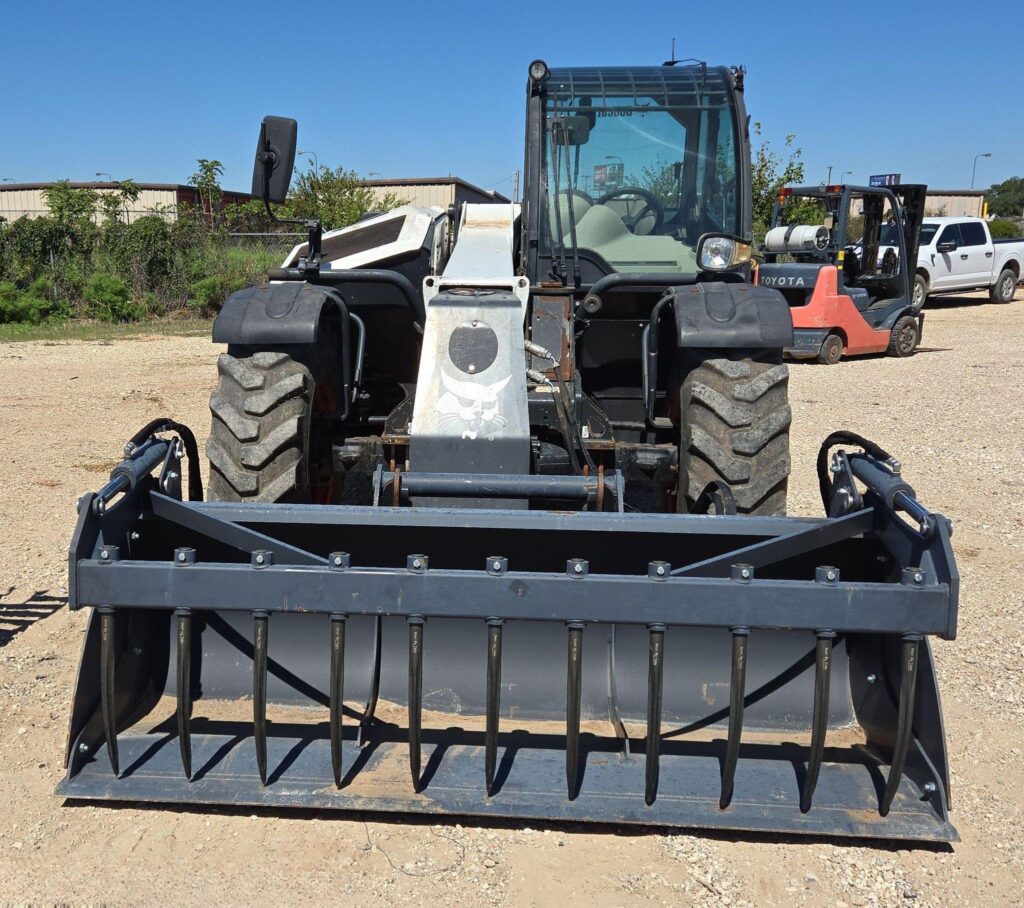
(496, 520)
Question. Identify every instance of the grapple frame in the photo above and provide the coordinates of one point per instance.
(863, 589)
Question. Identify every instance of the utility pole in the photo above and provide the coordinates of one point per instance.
(515, 187)
(828, 179)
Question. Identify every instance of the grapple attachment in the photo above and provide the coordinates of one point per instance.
(734, 672)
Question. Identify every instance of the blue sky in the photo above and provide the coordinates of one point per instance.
(418, 89)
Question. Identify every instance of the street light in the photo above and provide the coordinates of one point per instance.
(8, 180)
(374, 173)
(828, 179)
(843, 174)
(316, 160)
(110, 179)
(987, 154)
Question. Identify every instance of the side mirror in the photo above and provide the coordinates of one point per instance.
(275, 159)
(947, 246)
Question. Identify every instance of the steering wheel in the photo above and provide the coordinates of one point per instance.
(652, 205)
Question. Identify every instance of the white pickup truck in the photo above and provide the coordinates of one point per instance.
(960, 254)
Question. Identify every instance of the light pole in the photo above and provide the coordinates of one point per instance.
(844, 173)
(110, 179)
(316, 160)
(374, 173)
(974, 169)
(8, 180)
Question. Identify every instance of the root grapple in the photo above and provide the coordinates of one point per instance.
(746, 673)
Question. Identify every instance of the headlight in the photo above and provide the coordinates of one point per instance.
(719, 253)
(538, 70)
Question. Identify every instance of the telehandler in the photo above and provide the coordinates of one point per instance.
(496, 520)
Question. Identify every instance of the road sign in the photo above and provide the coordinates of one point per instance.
(885, 179)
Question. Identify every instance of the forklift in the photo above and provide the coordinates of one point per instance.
(843, 257)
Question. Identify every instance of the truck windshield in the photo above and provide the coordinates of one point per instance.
(638, 179)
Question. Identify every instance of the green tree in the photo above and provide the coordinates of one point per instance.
(70, 206)
(114, 204)
(338, 197)
(771, 171)
(1007, 198)
(207, 183)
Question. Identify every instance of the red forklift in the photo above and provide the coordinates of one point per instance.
(843, 256)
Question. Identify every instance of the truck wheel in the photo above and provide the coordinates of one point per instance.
(831, 350)
(735, 418)
(919, 294)
(1004, 288)
(265, 442)
(905, 335)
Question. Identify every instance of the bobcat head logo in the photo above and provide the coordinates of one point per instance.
(475, 405)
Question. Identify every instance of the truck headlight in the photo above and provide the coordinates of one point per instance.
(719, 253)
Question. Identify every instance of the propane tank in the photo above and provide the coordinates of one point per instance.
(797, 238)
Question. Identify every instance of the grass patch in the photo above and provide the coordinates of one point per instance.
(91, 330)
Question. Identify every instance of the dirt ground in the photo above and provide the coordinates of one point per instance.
(954, 416)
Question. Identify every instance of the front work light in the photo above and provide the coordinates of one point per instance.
(720, 253)
(538, 70)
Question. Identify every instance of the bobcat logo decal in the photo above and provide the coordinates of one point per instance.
(475, 405)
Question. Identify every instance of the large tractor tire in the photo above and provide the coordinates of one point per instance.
(735, 418)
(266, 441)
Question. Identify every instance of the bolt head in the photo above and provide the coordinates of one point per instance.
(831, 575)
(104, 555)
(137, 650)
(135, 536)
(337, 561)
(417, 562)
(260, 559)
(181, 556)
(928, 788)
(497, 565)
(578, 568)
(918, 577)
(745, 573)
(660, 570)
(83, 748)
(871, 679)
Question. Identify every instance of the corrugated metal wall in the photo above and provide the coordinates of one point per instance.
(424, 195)
(953, 205)
(14, 203)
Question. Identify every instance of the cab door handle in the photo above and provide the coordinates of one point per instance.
(964, 257)
(988, 255)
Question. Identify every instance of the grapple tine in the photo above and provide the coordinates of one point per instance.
(260, 631)
(905, 722)
(107, 659)
(574, 677)
(337, 691)
(184, 688)
(819, 721)
(494, 630)
(415, 697)
(737, 690)
(655, 678)
(371, 701)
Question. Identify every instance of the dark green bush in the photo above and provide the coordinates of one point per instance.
(32, 306)
(206, 296)
(106, 299)
(1002, 229)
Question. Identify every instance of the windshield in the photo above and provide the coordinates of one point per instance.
(637, 180)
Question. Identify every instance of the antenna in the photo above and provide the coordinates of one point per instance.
(673, 61)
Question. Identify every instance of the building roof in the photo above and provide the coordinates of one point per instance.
(107, 185)
(436, 181)
(967, 192)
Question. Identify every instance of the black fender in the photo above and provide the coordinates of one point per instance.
(291, 313)
(730, 315)
(284, 313)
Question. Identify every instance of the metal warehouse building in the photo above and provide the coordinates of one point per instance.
(955, 203)
(430, 191)
(27, 199)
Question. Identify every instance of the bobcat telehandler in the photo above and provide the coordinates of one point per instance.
(495, 522)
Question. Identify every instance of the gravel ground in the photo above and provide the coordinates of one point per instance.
(952, 414)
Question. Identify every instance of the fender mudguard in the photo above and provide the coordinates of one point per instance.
(283, 313)
(732, 315)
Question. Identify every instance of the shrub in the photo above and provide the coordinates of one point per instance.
(206, 296)
(106, 299)
(1002, 229)
(31, 306)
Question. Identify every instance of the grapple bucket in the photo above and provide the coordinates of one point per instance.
(712, 671)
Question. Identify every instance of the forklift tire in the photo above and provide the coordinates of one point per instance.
(831, 350)
(266, 443)
(735, 416)
(919, 295)
(1003, 290)
(906, 334)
